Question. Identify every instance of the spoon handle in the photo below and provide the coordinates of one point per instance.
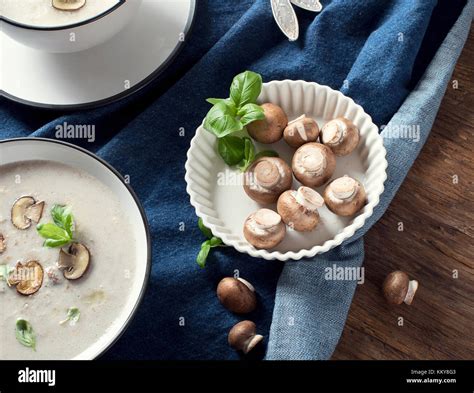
(285, 17)
(310, 5)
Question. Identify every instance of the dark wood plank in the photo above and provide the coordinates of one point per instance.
(438, 238)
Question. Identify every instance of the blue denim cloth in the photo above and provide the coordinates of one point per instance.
(355, 41)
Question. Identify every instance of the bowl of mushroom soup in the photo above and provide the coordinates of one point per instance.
(74, 251)
(64, 26)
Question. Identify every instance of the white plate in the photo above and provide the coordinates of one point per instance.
(102, 74)
(224, 208)
(14, 150)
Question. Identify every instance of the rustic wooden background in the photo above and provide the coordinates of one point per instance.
(438, 238)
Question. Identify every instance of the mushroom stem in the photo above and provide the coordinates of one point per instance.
(251, 343)
(412, 288)
(247, 284)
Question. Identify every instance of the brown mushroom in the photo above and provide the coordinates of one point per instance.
(264, 229)
(243, 336)
(270, 129)
(27, 278)
(299, 209)
(300, 131)
(68, 5)
(313, 164)
(266, 179)
(345, 196)
(3, 244)
(237, 295)
(398, 289)
(25, 210)
(75, 261)
(341, 135)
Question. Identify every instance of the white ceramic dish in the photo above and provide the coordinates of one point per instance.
(16, 150)
(74, 37)
(104, 73)
(224, 206)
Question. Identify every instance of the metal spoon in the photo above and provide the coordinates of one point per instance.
(285, 15)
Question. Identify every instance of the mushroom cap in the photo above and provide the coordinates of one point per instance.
(395, 287)
(75, 262)
(237, 295)
(68, 5)
(266, 179)
(341, 135)
(243, 337)
(345, 196)
(300, 131)
(264, 229)
(270, 129)
(298, 209)
(27, 278)
(25, 210)
(313, 164)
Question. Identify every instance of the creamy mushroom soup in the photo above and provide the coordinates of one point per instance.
(67, 261)
(42, 13)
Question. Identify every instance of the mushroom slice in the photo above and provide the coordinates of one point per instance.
(75, 261)
(28, 278)
(24, 210)
(68, 5)
(35, 212)
(3, 246)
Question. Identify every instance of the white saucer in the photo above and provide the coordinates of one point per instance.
(102, 74)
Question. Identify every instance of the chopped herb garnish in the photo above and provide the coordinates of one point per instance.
(25, 334)
(73, 315)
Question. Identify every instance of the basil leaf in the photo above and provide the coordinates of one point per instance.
(51, 243)
(250, 113)
(203, 253)
(4, 272)
(52, 232)
(24, 334)
(245, 88)
(215, 242)
(221, 120)
(57, 213)
(249, 154)
(214, 101)
(63, 218)
(73, 315)
(205, 230)
(231, 149)
(266, 153)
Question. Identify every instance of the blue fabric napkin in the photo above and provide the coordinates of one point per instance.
(374, 51)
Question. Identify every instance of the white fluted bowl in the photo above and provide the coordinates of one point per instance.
(217, 194)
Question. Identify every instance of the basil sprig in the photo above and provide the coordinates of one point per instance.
(24, 334)
(231, 115)
(206, 247)
(59, 232)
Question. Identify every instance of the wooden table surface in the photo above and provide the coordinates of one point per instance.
(437, 241)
